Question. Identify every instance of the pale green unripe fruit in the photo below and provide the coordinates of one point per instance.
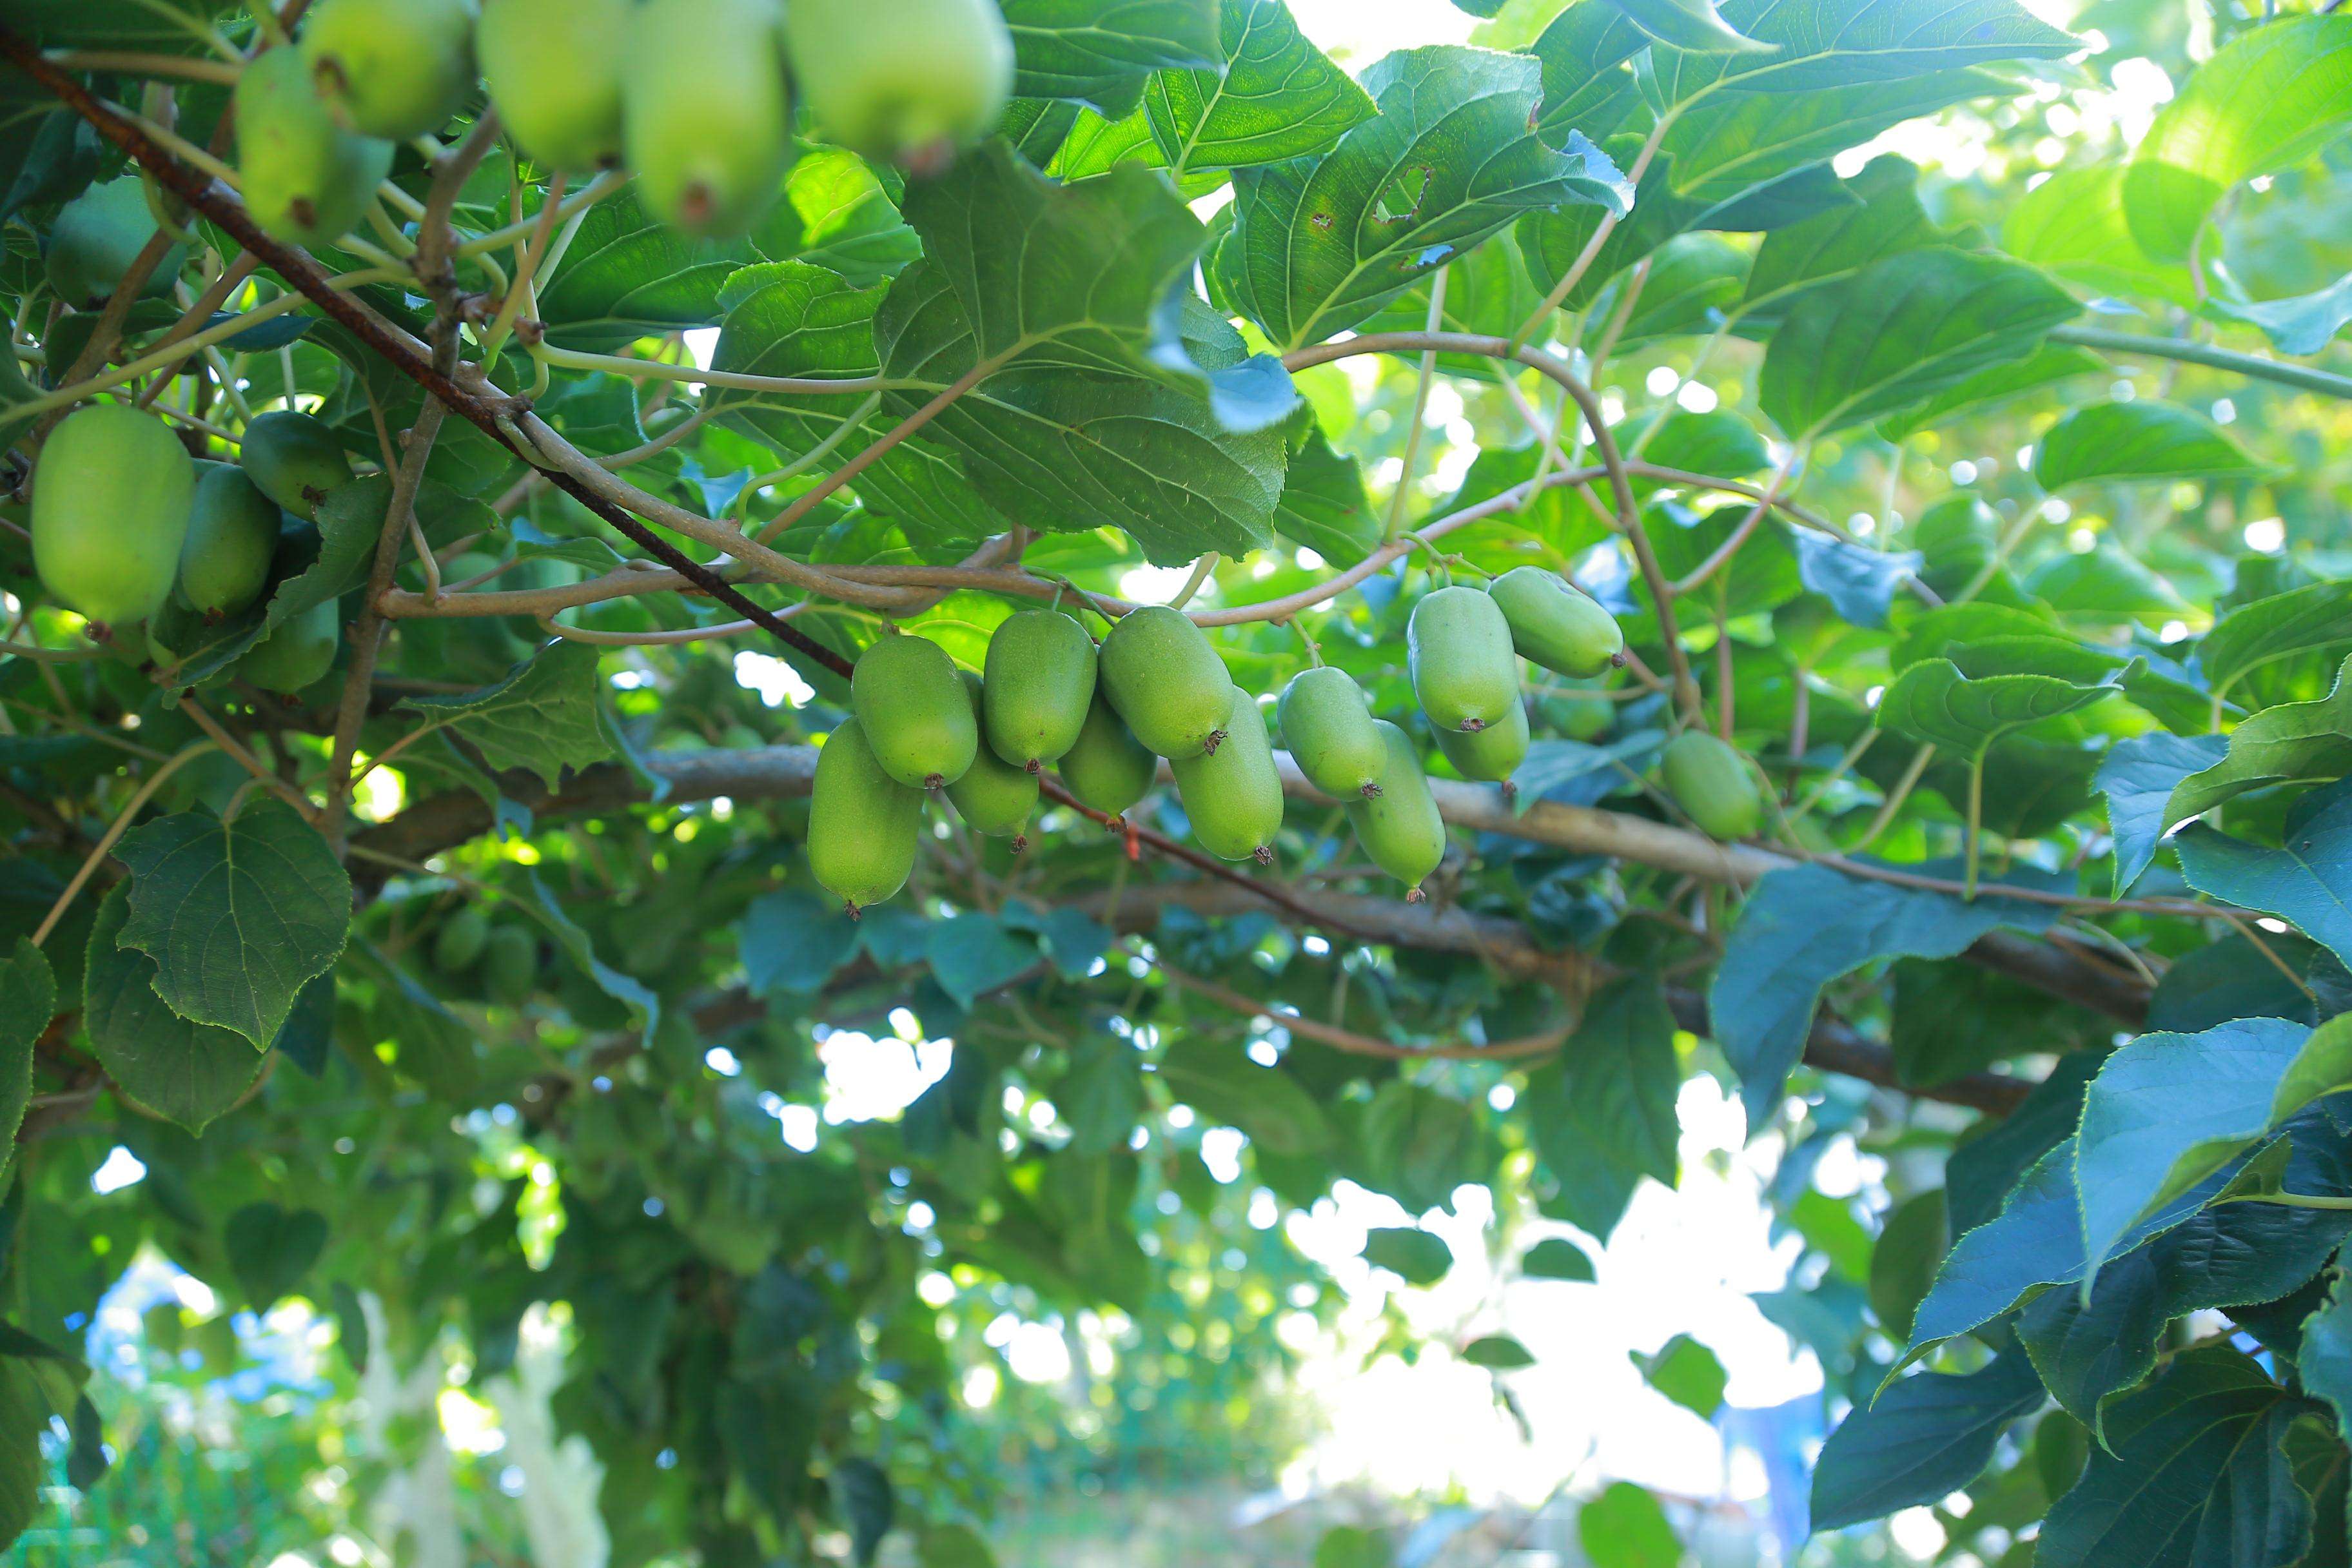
(911, 700)
(554, 68)
(393, 69)
(1167, 681)
(231, 539)
(1492, 754)
(1108, 768)
(297, 654)
(1711, 782)
(111, 498)
(1234, 794)
(306, 179)
(1458, 650)
(458, 945)
(902, 78)
(1041, 681)
(1554, 625)
(294, 460)
(706, 120)
(994, 796)
(96, 237)
(1400, 828)
(1329, 730)
(863, 825)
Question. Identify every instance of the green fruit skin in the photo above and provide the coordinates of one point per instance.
(1167, 681)
(706, 120)
(994, 796)
(1711, 782)
(1459, 651)
(110, 510)
(910, 697)
(96, 238)
(864, 824)
(459, 944)
(554, 70)
(1400, 828)
(1108, 768)
(297, 654)
(891, 78)
(1041, 681)
(306, 178)
(1234, 794)
(232, 537)
(393, 69)
(1492, 754)
(1328, 727)
(511, 965)
(1579, 718)
(295, 461)
(1554, 625)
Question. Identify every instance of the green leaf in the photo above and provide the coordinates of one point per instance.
(2167, 1110)
(861, 1491)
(1626, 1528)
(973, 953)
(1602, 1110)
(2302, 324)
(1903, 1262)
(270, 1250)
(1416, 1255)
(28, 1000)
(1100, 53)
(543, 714)
(2324, 1363)
(2138, 440)
(1353, 1546)
(2295, 743)
(1923, 1439)
(1827, 43)
(2316, 615)
(34, 1387)
(626, 275)
(1268, 1104)
(1323, 507)
(2142, 778)
(1450, 159)
(1555, 1257)
(1274, 96)
(1938, 702)
(1804, 926)
(1690, 24)
(644, 1006)
(237, 915)
(953, 1546)
(1887, 219)
(792, 941)
(1687, 1372)
(1899, 331)
(2046, 367)
(2073, 225)
(1498, 1352)
(849, 225)
(1859, 583)
(2268, 99)
(2195, 1475)
(2307, 881)
(2104, 583)
(188, 1072)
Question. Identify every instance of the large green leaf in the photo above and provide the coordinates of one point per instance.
(28, 1000)
(644, 1006)
(2141, 778)
(2269, 99)
(628, 275)
(2308, 742)
(38, 1385)
(1922, 1439)
(2196, 1475)
(188, 1072)
(1101, 51)
(270, 1250)
(1273, 96)
(2297, 324)
(1323, 507)
(2325, 1364)
(1626, 1528)
(1828, 43)
(1603, 1111)
(1939, 701)
(1727, 146)
(1886, 220)
(1899, 331)
(168, 26)
(2279, 625)
(542, 715)
(238, 916)
(1450, 159)
(2138, 440)
(2073, 225)
(2307, 880)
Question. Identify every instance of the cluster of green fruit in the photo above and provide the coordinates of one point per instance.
(695, 95)
(1156, 687)
(507, 956)
(127, 528)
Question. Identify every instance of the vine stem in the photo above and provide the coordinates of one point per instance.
(239, 753)
(741, 381)
(1607, 226)
(1413, 431)
(2303, 378)
(113, 835)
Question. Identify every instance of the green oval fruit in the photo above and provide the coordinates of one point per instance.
(1579, 716)
(96, 238)
(891, 78)
(459, 944)
(109, 509)
(864, 824)
(1711, 782)
(1167, 681)
(1493, 753)
(1329, 730)
(1556, 624)
(705, 117)
(1107, 767)
(554, 69)
(1459, 651)
(306, 179)
(232, 537)
(1400, 828)
(295, 459)
(1041, 681)
(994, 796)
(909, 696)
(511, 965)
(297, 654)
(1234, 794)
(393, 69)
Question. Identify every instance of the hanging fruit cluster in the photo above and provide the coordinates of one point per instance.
(1156, 687)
